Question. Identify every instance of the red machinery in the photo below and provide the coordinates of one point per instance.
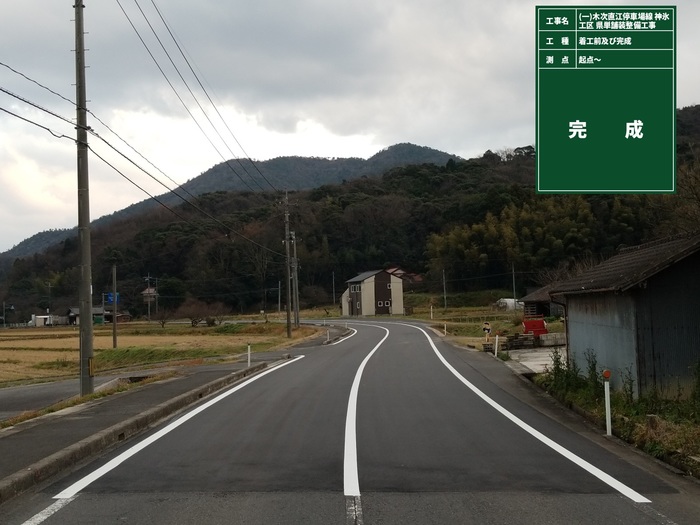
(535, 325)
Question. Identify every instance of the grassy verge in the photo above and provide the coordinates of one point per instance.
(38, 354)
(123, 386)
(668, 429)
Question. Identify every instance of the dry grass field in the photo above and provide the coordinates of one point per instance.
(40, 354)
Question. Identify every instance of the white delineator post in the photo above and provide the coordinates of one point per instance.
(608, 415)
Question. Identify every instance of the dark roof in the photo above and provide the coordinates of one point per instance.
(75, 310)
(541, 295)
(363, 276)
(632, 266)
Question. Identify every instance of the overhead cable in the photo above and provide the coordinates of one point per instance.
(187, 61)
(189, 112)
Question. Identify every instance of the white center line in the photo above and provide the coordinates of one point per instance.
(351, 485)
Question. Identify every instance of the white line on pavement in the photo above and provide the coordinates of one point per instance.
(605, 478)
(342, 339)
(351, 485)
(48, 511)
(79, 485)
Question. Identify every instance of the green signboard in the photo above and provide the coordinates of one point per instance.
(606, 99)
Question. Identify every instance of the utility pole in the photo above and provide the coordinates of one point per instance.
(48, 310)
(295, 279)
(150, 294)
(444, 288)
(85, 288)
(114, 305)
(514, 299)
(286, 265)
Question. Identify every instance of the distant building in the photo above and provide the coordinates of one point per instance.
(373, 293)
(73, 315)
(539, 302)
(638, 313)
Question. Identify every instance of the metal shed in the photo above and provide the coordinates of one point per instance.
(639, 312)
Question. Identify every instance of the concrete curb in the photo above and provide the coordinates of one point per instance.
(337, 338)
(42, 470)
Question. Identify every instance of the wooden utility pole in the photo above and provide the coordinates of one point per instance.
(286, 266)
(295, 279)
(114, 305)
(444, 289)
(85, 288)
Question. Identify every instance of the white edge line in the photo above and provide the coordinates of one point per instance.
(604, 477)
(48, 511)
(351, 482)
(79, 485)
(342, 339)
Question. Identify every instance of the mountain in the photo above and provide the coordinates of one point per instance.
(281, 173)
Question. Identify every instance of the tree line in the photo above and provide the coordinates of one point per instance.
(472, 222)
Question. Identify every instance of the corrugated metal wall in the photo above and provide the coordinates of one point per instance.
(669, 329)
(605, 325)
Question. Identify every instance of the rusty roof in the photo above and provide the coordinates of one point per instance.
(632, 265)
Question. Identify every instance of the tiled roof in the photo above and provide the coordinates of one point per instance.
(632, 265)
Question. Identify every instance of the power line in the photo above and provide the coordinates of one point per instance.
(37, 106)
(217, 221)
(211, 101)
(37, 125)
(165, 76)
(179, 186)
(92, 132)
(200, 84)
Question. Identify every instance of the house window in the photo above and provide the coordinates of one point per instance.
(380, 303)
(388, 286)
(387, 303)
(358, 306)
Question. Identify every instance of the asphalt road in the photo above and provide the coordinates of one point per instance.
(26, 398)
(390, 426)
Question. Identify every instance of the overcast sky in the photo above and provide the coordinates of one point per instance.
(325, 78)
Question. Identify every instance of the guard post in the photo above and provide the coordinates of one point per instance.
(608, 415)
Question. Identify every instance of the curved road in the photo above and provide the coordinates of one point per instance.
(391, 425)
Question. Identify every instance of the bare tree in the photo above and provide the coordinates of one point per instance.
(163, 316)
(565, 270)
(194, 310)
(687, 208)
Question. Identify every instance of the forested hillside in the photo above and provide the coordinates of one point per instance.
(476, 220)
(281, 173)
